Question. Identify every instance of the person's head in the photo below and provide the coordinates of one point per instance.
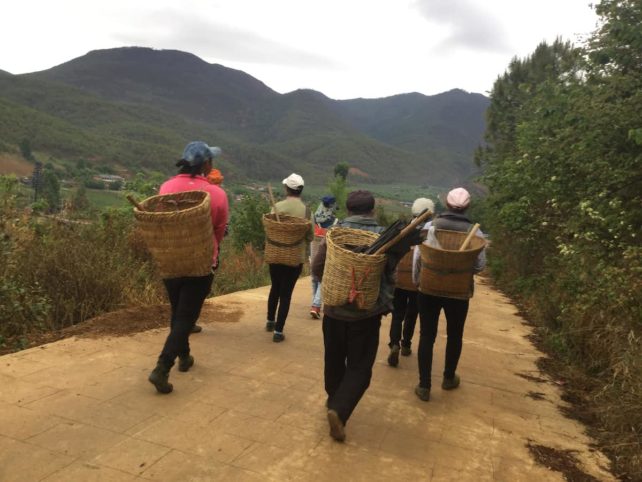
(360, 202)
(293, 185)
(197, 158)
(458, 200)
(329, 201)
(420, 205)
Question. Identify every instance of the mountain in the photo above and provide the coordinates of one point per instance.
(163, 98)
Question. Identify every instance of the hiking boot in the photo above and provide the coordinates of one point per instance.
(337, 429)
(450, 383)
(315, 312)
(405, 351)
(422, 392)
(393, 358)
(159, 377)
(185, 363)
(269, 325)
(196, 329)
(278, 337)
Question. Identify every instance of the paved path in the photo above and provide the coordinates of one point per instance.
(250, 409)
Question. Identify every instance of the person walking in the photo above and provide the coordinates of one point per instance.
(187, 294)
(284, 277)
(405, 310)
(456, 310)
(350, 334)
(324, 218)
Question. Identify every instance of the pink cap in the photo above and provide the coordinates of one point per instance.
(458, 198)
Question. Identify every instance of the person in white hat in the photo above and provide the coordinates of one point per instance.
(405, 311)
(455, 309)
(284, 277)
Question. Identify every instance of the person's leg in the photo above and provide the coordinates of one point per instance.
(273, 297)
(410, 320)
(399, 303)
(315, 308)
(173, 293)
(429, 308)
(334, 343)
(362, 341)
(456, 312)
(290, 275)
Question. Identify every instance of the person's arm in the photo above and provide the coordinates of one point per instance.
(480, 262)
(220, 215)
(416, 265)
(318, 262)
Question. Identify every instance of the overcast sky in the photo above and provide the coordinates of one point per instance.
(343, 48)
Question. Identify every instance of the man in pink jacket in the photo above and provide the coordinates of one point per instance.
(187, 294)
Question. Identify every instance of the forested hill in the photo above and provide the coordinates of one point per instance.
(144, 104)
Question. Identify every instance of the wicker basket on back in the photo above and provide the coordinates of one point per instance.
(177, 229)
(284, 239)
(404, 273)
(348, 276)
(446, 271)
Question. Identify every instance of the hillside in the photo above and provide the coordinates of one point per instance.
(142, 105)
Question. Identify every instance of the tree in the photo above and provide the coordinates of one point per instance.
(80, 201)
(247, 222)
(51, 190)
(25, 149)
(339, 189)
(341, 170)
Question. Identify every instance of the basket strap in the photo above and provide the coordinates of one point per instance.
(355, 292)
(447, 271)
(283, 245)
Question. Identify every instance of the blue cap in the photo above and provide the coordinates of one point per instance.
(328, 200)
(197, 152)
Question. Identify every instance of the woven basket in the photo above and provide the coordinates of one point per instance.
(177, 229)
(446, 271)
(349, 274)
(284, 239)
(314, 246)
(404, 273)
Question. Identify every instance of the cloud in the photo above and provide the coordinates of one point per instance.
(210, 38)
(471, 27)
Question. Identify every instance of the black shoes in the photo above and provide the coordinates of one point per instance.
(423, 393)
(278, 337)
(393, 358)
(405, 351)
(269, 325)
(450, 383)
(196, 329)
(159, 377)
(337, 429)
(185, 363)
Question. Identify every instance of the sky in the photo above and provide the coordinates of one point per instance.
(342, 48)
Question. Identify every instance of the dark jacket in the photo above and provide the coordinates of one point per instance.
(349, 312)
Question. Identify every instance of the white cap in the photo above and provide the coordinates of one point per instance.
(421, 204)
(293, 181)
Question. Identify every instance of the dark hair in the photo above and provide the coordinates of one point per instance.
(185, 168)
(293, 192)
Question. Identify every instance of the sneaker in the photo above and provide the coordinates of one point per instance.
(450, 383)
(278, 337)
(422, 392)
(197, 329)
(405, 351)
(393, 358)
(269, 325)
(185, 363)
(159, 377)
(337, 429)
(315, 312)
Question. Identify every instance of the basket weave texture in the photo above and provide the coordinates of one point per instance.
(404, 273)
(349, 275)
(446, 271)
(177, 229)
(285, 239)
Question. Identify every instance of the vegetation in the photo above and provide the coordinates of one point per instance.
(563, 162)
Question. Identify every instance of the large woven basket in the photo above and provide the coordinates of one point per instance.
(350, 277)
(284, 239)
(446, 271)
(177, 229)
(404, 273)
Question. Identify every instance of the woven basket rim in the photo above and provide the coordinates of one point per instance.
(459, 233)
(330, 238)
(196, 193)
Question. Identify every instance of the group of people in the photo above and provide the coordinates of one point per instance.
(350, 334)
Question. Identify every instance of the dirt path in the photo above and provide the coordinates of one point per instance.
(81, 408)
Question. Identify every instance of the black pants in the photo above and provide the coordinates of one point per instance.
(350, 352)
(404, 314)
(429, 309)
(283, 280)
(186, 297)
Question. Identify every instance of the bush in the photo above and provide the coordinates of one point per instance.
(246, 224)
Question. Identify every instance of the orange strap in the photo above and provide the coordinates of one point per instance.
(355, 290)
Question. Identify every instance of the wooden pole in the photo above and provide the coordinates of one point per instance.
(404, 232)
(272, 203)
(135, 203)
(471, 233)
